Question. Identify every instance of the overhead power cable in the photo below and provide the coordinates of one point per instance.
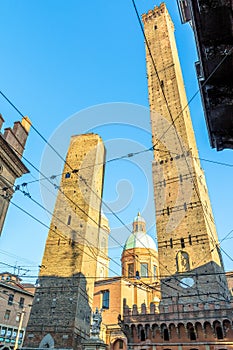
(55, 149)
(83, 180)
(45, 225)
(76, 205)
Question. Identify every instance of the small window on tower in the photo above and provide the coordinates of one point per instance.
(69, 220)
(182, 243)
(67, 175)
(190, 239)
(171, 243)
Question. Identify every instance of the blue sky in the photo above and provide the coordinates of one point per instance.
(77, 66)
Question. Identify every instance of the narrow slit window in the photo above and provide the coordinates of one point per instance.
(182, 243)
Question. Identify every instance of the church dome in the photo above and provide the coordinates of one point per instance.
(139, 237)
(140, 240)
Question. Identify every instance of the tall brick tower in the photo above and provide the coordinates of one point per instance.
(189, 257)
(61, 310)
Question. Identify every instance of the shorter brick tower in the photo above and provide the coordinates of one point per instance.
(12, 144)
(61, 310)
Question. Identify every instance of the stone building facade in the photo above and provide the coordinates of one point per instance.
(61, 310)
(212, 26)
(195, 312)
(202, 326)
(12, 143)
(15, 306)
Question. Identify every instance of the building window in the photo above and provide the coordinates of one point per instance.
(144, 270)
(105, 299)
(69, 220)
(67, 175)
(165, 334)
(155, 271)
(121, 344)
(143, 336)
(9, 332)
(3, 331)
(219, 332)
(130, 270)
(190, 239)
(192, 334)
(21, 302)
(171, 243)
(10, 299)
(17, 318)
(7, 314)
(182, 243)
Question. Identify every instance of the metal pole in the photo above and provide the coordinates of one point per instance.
(19, 329)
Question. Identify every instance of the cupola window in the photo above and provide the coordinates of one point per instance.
(144, 270)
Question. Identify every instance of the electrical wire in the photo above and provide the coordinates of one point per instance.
(173, 120)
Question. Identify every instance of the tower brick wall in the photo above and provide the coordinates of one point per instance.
(62, 305)
(187, 240)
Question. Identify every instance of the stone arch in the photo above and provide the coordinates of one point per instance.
(227, 329)
(208, 330)
(126, 329)
(172, 331)
(147, 331)
(165, 332)
(118, 344)
(191, 331)
(199, 331)
(182, 261)
(133, 330)
(155, 330)
(47, 342)
(218, 330)
(181, 331)
(141, 332)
